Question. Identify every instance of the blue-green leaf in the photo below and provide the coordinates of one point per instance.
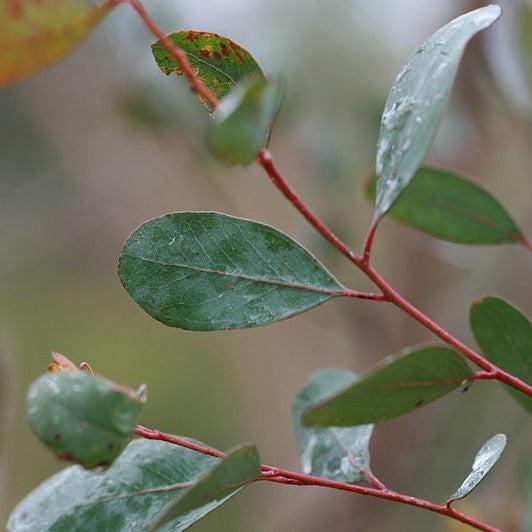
(207, 271)
(416, 101)
(336, 453)
(485, 459)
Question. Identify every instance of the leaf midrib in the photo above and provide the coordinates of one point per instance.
(212, 271)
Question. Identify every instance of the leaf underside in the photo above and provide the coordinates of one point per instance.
(336, 453)
(485, 459)
(416, 101)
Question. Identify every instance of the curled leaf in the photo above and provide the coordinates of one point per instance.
(485, 459)
(82, 417)
(243, 121)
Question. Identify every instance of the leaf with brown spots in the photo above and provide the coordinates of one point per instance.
(37, 33)
(219, 62)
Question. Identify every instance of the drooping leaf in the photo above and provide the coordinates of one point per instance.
(207, 271)
(82, 417)
(504, 335)
(238, 468)
(452, 208)
(35, 34)
(416, 101)
(398, 385)
(485, 459)
(129, 495)
(243, 121)
(336, 453)
(219, 62)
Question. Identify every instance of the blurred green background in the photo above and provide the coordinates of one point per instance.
(94, 145)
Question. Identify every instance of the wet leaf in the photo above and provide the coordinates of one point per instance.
(207, 271)
(485, 459)
(336, 453)
(244, 120)
(130, 495)
(219, 62)
(35, 34)
(238, 468)
(504, 335)
(452, 208)
(416, 101)
(82, 417)
(398, 385)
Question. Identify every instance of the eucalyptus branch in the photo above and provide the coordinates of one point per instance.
(265, 160)
(283, 476)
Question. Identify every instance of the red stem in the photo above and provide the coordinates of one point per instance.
(283, 476)
(265, 160)
(388, 294)
(181, 57)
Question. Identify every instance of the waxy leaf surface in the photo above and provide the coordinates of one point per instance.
(398, 385)
(219, 62)
(207, 271)
(416, 101)
(36, 33)
(239, 467)
(82, 417)
(132, 494)
(336, 453)
(485, 459)
(449, 207)
(243, 121)
(504, 335)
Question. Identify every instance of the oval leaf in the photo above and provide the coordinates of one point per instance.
(504, 335)
(485, 459)
(129, 495)
(238, 468)
(398, 385)
(206, 271)
(416, 101)
(336, 453)
(452, 208)
(83, 418)
(35, 34)
(243, 121)
(219, 62)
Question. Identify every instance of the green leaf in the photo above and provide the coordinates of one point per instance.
(416, 102)
(206, 271)
(35, 34)
(219, 62)
(504, 335)
(398, 385)
(485, 459)
(336, 453)
(83, 418)
(452, 208)
(129, 495)
(238, 468)
(243, 121)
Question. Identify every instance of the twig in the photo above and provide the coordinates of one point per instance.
(283, 476)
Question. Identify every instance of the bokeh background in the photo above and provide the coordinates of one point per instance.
(92, 146)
